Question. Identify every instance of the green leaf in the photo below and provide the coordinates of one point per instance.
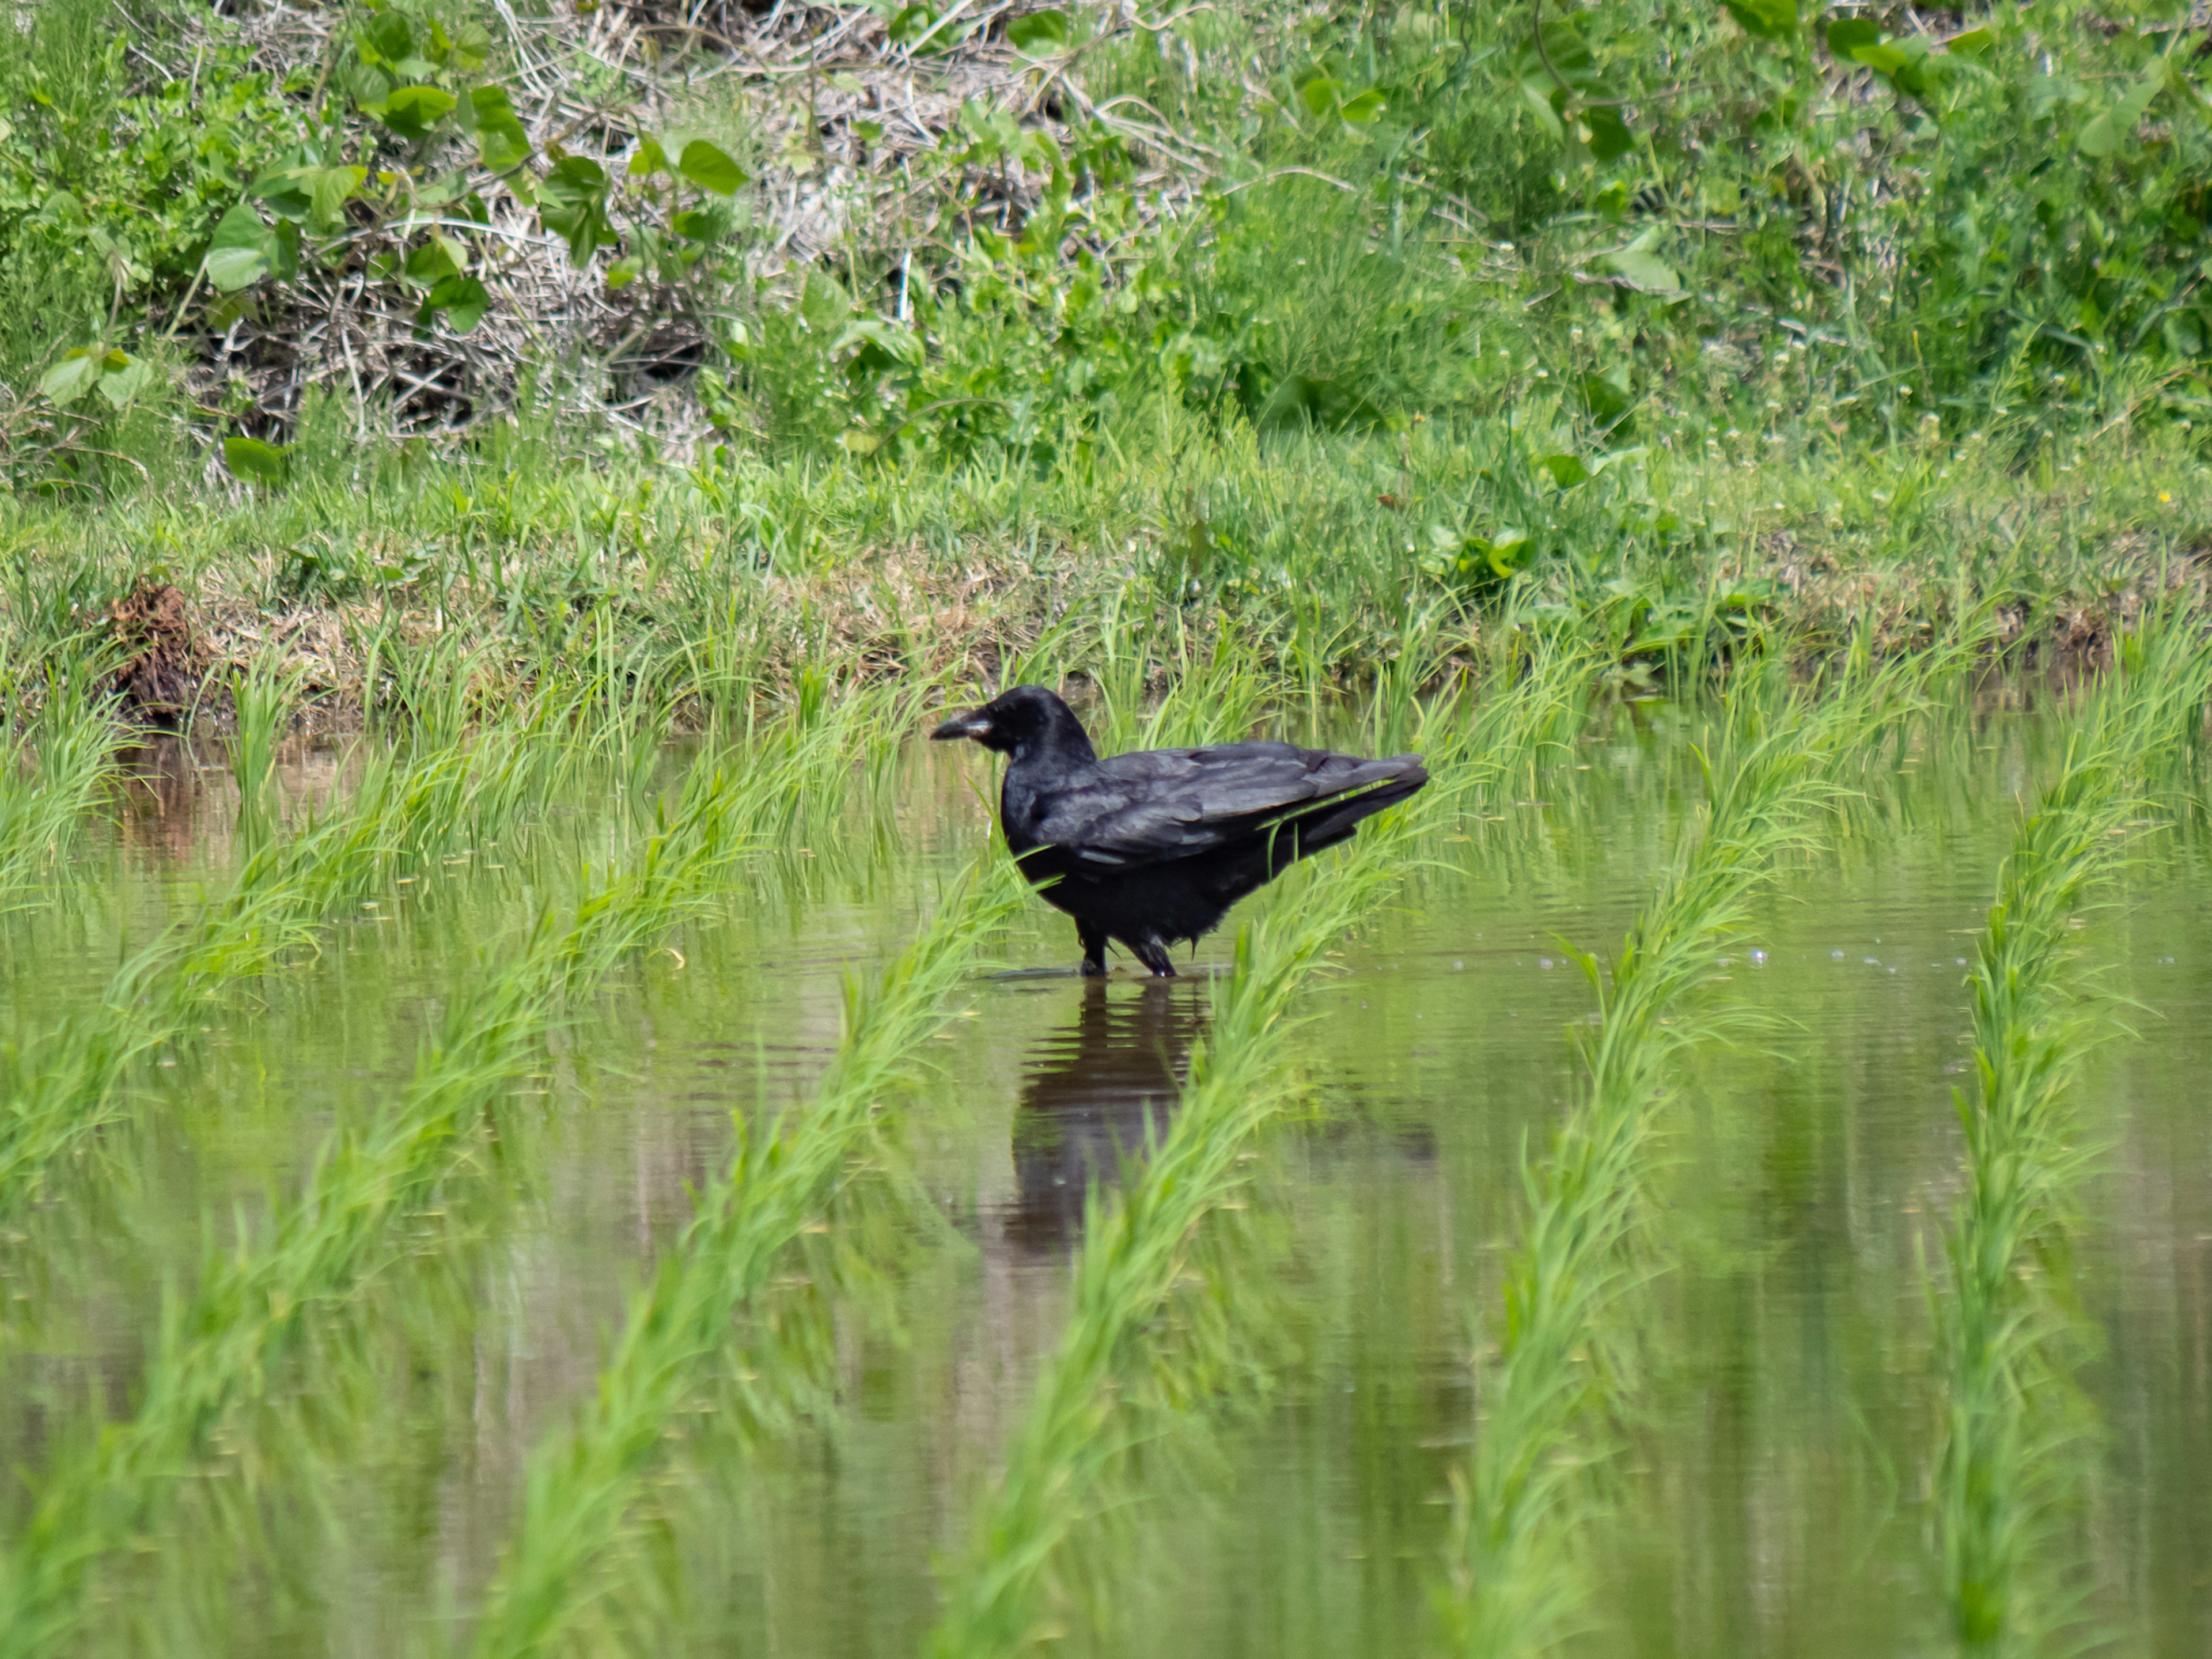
(431, 264)
(900, 343)
(331, 188)
(2115, 130)
(1320, 95)
(1609, 136)
(368, 85)
(242, 252)
(284, 250)
(908, 24)
(1645, 270)
(1770, 20)
(649, 159)
(1037, 31)
(122, 381)
(387, 37)
(501, 141)
(1846, 35)
(710, 168)
(1547, 100)
(287, 192)
(1566, 470)
(71, 378)
(1365, 110)
(470, 47)
(1507, 551)
(1971, 43)
(1903, 63)
(572, 205)
(463, 299)
(411, 111)
(576, 179)
(254, 461)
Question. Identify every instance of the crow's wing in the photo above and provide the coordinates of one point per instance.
(1162, 803)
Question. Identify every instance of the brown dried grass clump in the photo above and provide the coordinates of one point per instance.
(164, 660)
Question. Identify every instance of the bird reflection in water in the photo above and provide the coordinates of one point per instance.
(1092, 1093)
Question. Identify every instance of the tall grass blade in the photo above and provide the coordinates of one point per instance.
(256, 1308)
(62, 1088)
(265, 696)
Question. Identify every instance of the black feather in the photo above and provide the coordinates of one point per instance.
(1150, 847)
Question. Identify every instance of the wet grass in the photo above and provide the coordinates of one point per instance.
(269, 1299)
(585, 1481)
(779, 798)
(62, 1087)
(54, 769)
(1550, 1385)
(2011, 1334)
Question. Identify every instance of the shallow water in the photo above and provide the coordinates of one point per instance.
(1771, 1495)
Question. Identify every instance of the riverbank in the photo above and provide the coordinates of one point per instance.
(1330, 561)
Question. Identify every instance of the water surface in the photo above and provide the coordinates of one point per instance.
(1769, 1496)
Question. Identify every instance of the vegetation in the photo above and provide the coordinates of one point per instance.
(62, 1088)
(584, 1481)
(254, 1307)
(2010, 1335)
(1550, 1385)
(59, 764)
(912, 333)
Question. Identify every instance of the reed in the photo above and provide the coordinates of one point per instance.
(53, 768)
(2008, 1340)
(584, 1480)
(1510, 1583)
(1136, 1247)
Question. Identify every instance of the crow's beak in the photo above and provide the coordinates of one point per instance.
(972, 724)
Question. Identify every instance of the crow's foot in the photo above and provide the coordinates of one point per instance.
(1094, 950)
(1154, 956)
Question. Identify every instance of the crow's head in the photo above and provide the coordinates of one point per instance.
(1028, 718)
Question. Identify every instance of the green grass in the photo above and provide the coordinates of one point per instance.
(258, 1306)
(54, 769)
(585, 1479)
(1549, 1383)
(2008, 1329)
(62, 1087)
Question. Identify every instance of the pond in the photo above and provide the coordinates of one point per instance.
(1769, 1492)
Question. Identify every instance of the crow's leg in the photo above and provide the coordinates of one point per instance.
(1094, 950)
(1154, 955)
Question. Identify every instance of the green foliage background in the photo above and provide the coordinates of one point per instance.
(1592, 251)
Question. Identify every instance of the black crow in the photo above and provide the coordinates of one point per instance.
(1150, 847)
